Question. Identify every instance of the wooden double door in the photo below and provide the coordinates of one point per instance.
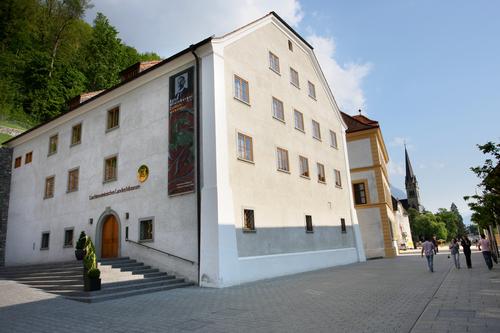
(110, 238)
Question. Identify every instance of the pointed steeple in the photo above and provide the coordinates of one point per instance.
(409, 170)
(411, 183)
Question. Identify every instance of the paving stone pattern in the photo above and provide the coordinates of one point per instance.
(387, 295)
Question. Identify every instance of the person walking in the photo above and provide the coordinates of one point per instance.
(466, 244)
(484, 247)
(455, 252)
(434, 241)
(428, 249)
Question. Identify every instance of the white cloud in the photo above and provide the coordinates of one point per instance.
(400, 141)
(395, 168)
(345, 80)
(169, 26)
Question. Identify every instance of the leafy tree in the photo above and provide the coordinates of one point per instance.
(451, 221)
(460, 222)
(472, 229)
(428, 225)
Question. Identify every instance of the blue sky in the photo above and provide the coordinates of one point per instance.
(428, 71)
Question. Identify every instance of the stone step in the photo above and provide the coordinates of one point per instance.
(155, 274)
(110, 261)
(41, 268)
(55, 274)
(145, 271)
(124, 263)
(134, 268)
(133, 282)
(105, 297)
(53, 282)
(48, 277)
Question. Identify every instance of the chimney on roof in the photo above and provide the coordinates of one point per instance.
(132, 71)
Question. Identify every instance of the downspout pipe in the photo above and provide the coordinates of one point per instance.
(198, 153)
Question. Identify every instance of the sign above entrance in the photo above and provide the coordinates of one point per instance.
(143, 173)
(115, 191)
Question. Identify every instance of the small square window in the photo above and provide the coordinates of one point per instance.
(338, 179)
(312, 90)
(28, 158)
(299, 120)
(76, 134)
(309, 224)
(342, 226)
(110, 169)
(53, 144)
(113, 118)
(49, 187)
(241, 91)
(45, 241)
(304, 166)
(278, 111)
(17, 162)
(294, 77)
(146, 230)
(245, 147)
(333, 139)
(283, 160)
(274, 62)
(316, 130)
(321, 173)
(248, 220)
(290, 45)
(68, 238)
(73, 176)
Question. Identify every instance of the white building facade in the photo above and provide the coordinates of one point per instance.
(262, 188)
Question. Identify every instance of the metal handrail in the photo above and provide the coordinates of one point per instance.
(168, 254)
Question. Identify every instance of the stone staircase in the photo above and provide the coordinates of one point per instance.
(120, 277)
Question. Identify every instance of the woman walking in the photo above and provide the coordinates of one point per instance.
(484, 246)
(466, 244)
(455, 252)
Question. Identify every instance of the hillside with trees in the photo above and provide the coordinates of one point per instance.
(49, 54)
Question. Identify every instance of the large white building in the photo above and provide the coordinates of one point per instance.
(230, 156)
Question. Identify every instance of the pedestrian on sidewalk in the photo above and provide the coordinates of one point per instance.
(434, 241)
(484, 247)
(428, 249)
(466, 244)
(455, 252)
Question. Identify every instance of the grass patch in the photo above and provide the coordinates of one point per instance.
(4, 137)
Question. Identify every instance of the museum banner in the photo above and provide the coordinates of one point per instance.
(181, 133)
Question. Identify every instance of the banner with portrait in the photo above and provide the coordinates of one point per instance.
(181, 157)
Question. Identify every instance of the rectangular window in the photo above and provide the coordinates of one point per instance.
(283, 160)
(274, 62)
(110, 166)
(146, 230)
(294, 77)
(278, 112)
(113, 118)
(68, 238)
(241, 89)
(342, 226)
(316, 130)
(309, 224)
(73, 176)
(53, 144)
(17, 162)
(333, 139)
(312, 90)
(304, 166)
(290, 45)
(338, 180)
(45, 241)
(299, 120)
(248, 220)
(321, 173)
(359, 193)
(49, 187)
(245, 147)
(28, 158)
(76, 134)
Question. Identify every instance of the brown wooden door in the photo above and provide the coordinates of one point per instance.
(110, 238)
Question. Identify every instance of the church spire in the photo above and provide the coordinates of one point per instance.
(411, 183)
(409, 170)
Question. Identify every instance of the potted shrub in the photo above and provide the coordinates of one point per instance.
(93, 281)
(80, 246)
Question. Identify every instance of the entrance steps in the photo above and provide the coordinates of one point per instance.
(120, 277)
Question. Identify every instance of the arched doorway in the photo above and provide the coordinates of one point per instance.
(110, 237)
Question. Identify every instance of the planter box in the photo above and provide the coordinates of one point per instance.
(91, 284)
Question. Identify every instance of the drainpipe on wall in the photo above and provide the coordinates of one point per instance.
(198, 153)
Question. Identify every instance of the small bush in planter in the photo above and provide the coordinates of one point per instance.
(80, 246)
(94, 273)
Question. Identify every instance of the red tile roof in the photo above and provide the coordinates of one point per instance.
(358, 123)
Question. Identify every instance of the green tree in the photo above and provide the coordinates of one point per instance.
(450, 220)
(428, 225)
(462, 230)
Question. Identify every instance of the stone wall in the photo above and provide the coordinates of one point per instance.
(5, 172)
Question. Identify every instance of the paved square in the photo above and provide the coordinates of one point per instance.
(387, 295)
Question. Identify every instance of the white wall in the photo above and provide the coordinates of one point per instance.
(360, 154)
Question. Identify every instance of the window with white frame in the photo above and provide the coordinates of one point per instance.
(68, 237)
(73, 176)
(49, 187)
(113, 120)
(321, 173)
(316, 130)
(338, 180)
(333, 139)
(304, 166)
(274, 62)
(299, 120)
(312, 89)
(241, 90)
(245, 147)
(110, 168)
(53, 144)
(278, 111)
(44, 245)
(294, 77)
(282, 155)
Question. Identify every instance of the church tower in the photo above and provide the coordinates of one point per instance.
(411, 185)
